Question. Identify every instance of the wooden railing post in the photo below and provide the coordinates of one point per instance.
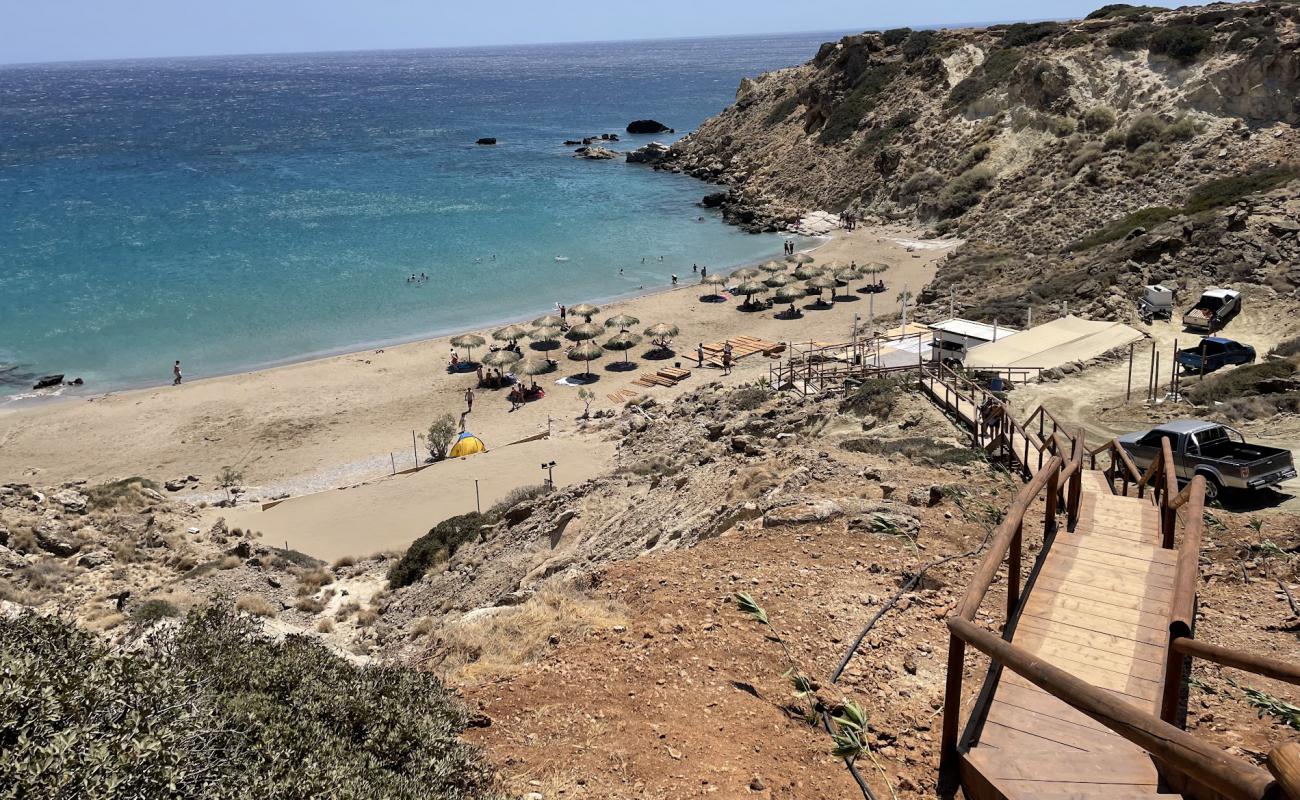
(1053, 497)
(949, 771)
(1168, 514)
(1284, 763)
(1013, 572)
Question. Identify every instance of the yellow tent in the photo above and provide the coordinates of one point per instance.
(467, 445)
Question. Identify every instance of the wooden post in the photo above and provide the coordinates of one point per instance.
(1173, 369)
(948, 756)
(1128, 392)
(1151, 372)
(1053, 495)
(1013, 572)
(393, 459)
(1155, 370)
(1168, 514)
(415, 450)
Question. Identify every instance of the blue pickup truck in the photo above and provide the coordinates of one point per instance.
(1217, 352)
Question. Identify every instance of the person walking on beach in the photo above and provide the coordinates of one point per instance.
(176, 374)
(469, 400)
(699, 354)
(726, 359)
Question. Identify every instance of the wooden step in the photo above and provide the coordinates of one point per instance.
(1133, 769)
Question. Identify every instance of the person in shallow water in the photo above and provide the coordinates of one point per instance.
(176, 374)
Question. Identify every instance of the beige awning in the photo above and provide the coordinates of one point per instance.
(1053, 344)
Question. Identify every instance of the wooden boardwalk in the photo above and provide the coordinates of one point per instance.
(1098, 607)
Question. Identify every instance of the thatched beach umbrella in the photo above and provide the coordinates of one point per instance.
(714, 282)
(584, 331)
(778, 280)
(500, 358)
(844, 275)
(546, 338)
(621, 321)
(623, 341)
(772, 266)
(806, 271)
(821, 283)
(875, 268)
(749, 289)
(661, 334)
(586, 310)
(799, 258)
(534, 367)
(548, 321)
(586, 351)
(743, 274)
(510, 333)
(468, 341)
(789, 294)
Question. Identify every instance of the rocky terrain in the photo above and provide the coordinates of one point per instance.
(1078, 159)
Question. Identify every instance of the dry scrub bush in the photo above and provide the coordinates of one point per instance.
(752, 481)
(504, 640)
(255, 604)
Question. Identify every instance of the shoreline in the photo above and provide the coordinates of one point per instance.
(23, 401)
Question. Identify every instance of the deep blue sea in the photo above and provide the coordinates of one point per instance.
(245, 211)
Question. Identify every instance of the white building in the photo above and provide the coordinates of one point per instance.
(953, 338)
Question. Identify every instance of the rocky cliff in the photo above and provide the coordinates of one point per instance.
(1078, 159)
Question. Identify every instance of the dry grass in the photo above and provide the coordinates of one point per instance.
(752, 481)
(325, 625)
(255, 604)
(501, 642)
(124, 495)
(309, 581)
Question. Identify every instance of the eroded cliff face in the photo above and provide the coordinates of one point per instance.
(1027, 140)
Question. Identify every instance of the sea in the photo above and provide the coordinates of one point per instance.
(241, 212)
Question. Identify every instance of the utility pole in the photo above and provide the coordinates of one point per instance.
(478, 505)
(549, 466)
(1128, 392)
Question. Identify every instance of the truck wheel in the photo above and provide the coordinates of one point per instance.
(1212, 487)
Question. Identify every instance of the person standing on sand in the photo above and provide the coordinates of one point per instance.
(176, 374)
(469, 400)
(699, 354)
(726, 359)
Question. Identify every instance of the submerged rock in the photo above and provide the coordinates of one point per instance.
(48, 381)
(487, 140)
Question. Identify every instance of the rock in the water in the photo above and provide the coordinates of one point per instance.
(714, 200)
(487, 140)
(595, 153)
(48, 381)
(648, 126)
(650, 154)
(802, 513)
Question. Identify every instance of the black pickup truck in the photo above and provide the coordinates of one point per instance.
(1216, 451)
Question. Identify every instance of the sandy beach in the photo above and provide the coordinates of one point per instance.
(349, 419)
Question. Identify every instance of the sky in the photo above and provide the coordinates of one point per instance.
(77, 30)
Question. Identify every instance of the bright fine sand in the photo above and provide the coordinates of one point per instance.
(348, 419)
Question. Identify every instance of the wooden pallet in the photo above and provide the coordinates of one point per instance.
(741, 346)
(668, 376)
(622, 396)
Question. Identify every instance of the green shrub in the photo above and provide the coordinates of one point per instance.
(1145, 218)
(123, 495)
(1024, 33)
(994, 71)
(435, 547)
(1224, 191)
(919, 184)
(1134, 37)
(1121, 11)
(747, 398)
(439, 438)
(151, 611)
(1181, 129)
(858, 103)
(782, 111)
(1099, 119)
(215, 709)
(918, 44)
(875, 397)
(896, 36)
(1145, 128)
(1085, 157)
(1286, 348)
(1183, 43)
(964, 191)
(1144, 159)
(1238, 382)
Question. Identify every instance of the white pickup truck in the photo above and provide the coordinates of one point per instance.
(1213, 310)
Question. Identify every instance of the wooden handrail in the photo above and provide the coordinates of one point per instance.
(1284, 763)
(1126, 460)
(988, 568)
(1180, 499)
(1188, 566)
(1237, 659)
(1185, 753)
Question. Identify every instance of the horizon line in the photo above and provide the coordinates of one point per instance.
(965, 25)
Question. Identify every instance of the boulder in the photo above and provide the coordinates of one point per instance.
(714, 200)
(648, 126)
(487, 140)
(594, 153)
(95, 558)
(652, 153)
(175, 485)
(803, 513)
(48, 381)
(54, 539)
(71, 500)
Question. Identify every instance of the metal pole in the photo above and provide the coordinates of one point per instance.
(1128, 392)
(393, 459)
(478, 506)
(904, 298)
(871, 312)
(415, 450)
(1029, 317)
(1151, 371)
(1173, 369)
(1155, 390)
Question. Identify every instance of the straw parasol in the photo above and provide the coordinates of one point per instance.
(844, 275)
(584, 331)
(822, 283)
(546, 338)
(661, 333)
(714, 280)
(534, 367)
(510, 333)
(586, 351)
(772, 266)
(621, 321)
(468, 341)
(623, 341)
(500, 358)
(744, 274)
(807, 271)
(586, 310)
(799, 258)
(548, 321)
(778, 280)
(789, 294)
(875, 268)
(749, 289)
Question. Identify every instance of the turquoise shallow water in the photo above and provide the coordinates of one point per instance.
(239, 212)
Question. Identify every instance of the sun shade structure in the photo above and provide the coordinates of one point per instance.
(550, 333)
(772, 266)
(585, 331)
(468, 341)
(623, 342)
(807, 271)
(586, 351)
(789, 294)
(874, 268)
(751, 288)
(744, 274)
(510, 333)
(661, 334)
(799, 258)
(467, 444)
(586, 310)
(500, 358)
(621, 321)
(548, 321)
(714, 279)
(534, 366)
(778, 280)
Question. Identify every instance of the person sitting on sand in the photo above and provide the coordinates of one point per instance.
(454, 363)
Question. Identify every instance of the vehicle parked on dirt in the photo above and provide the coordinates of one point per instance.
(1215, 352)
(1157, 303)
(1215, 308)
(1216, 451)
